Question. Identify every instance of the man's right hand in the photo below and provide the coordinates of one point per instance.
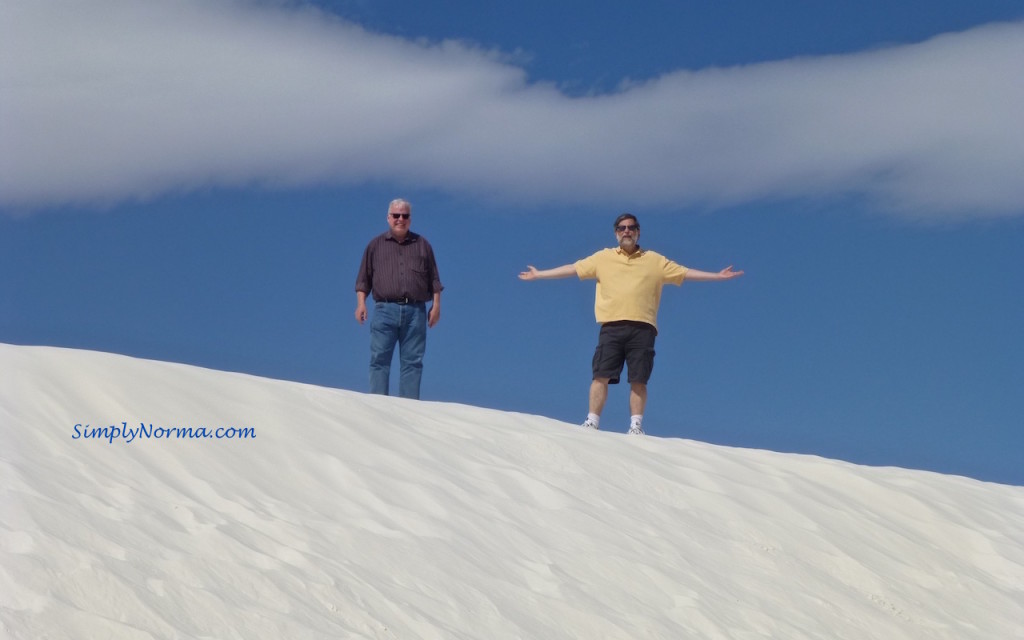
(533, 273)
(361, 313)
(529, 274)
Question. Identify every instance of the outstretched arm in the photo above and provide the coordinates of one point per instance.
(704, 276)
(533, 273)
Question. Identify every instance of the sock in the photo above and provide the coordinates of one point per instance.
(593, 417)
(636, 421)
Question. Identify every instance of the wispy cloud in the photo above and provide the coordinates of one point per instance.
(116, 99)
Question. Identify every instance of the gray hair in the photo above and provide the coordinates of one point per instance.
(399, 202)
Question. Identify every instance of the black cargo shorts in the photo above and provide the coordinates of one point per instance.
(625, 342)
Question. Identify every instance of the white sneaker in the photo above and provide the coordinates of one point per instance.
(636, 431)
(589, 424)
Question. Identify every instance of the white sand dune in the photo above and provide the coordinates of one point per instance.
(356, 516)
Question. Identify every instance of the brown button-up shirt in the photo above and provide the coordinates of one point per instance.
(391, 269)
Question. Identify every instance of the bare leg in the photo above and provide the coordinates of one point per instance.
(598, 395)
(637, 397)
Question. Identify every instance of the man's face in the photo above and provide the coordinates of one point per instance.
(627, 233)
(399, 219)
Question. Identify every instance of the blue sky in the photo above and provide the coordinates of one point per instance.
(196, 181)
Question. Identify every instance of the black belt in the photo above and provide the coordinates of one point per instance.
(398, 300)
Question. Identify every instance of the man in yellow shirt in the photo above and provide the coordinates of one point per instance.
(629, 282)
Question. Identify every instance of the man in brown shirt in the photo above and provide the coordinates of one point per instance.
(399, 270)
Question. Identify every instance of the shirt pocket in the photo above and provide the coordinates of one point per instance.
(419, 264)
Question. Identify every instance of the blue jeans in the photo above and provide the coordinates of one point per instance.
(405, 324)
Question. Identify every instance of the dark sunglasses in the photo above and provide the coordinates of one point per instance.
(631, 227)
(403, 216)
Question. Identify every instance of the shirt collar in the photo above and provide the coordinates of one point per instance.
(636, 254)
(409, 237)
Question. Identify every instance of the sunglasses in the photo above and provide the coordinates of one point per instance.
(403, 216)
(630, 227)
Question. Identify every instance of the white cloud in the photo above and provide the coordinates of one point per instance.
(117, 99)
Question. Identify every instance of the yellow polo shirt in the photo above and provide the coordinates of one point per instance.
(629, 286)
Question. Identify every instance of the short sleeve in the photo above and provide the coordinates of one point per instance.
(364, 277)
(673, 273)
(586, 269)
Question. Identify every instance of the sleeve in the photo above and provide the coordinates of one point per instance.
(435, 277)
(364, 277)
(672, 272)
(586, 269)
